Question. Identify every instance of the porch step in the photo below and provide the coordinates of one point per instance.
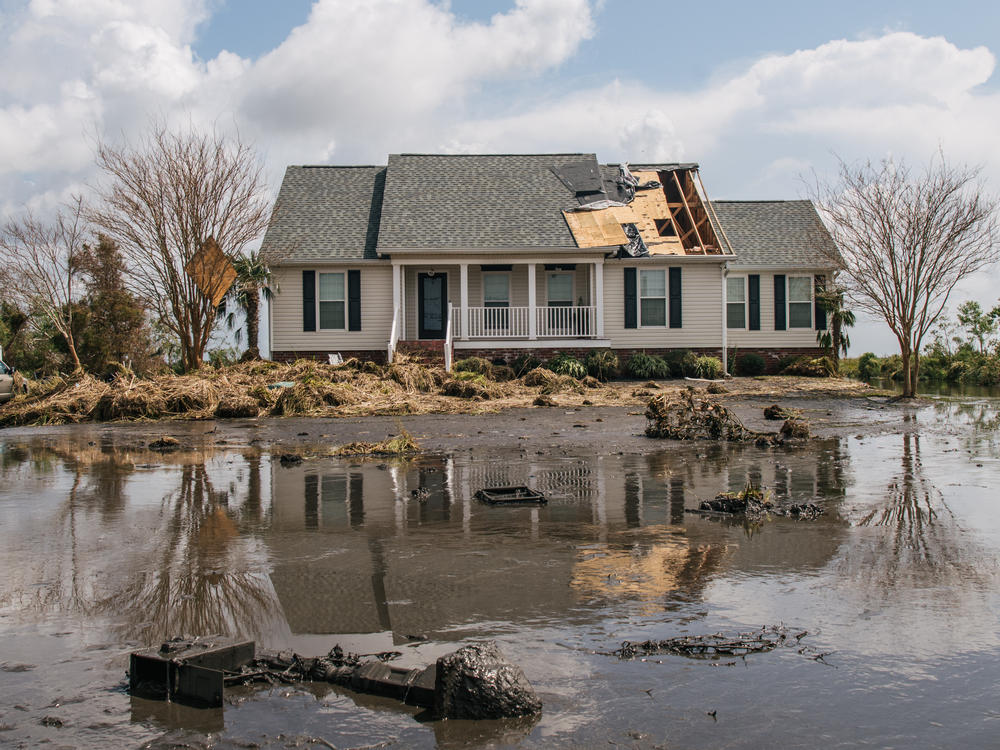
(430, 352)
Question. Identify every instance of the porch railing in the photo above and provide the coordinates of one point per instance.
(568, 321)
(449, 337)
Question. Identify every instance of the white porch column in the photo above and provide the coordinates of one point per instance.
(532, 303)
(402, 303)
(725, 326)
(599, 296)
(396, 296)
(463, 277)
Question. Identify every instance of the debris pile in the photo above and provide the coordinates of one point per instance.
(684, 417)
(775, 412)
(714, 645)
(755, 504)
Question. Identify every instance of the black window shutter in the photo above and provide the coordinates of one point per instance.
(675, 297)
(631, 308)
(354, 300)
(753, 281)
(820, 315)
(779, 302)
(308, 300)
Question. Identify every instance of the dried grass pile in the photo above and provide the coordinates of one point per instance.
(399, 445)
(141, 399)
(237, 406)
(315, 396)
(685, 417)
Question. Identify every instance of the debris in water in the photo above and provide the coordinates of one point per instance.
(714, 645)
(165, 444)
(775, 412)
(511, 496)
(755, 504)
(688, 418)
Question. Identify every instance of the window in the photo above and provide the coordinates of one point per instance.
(736, 299)
(331, 301)
(800, 301)
(560, 289)
(653, 298)
(496, 289)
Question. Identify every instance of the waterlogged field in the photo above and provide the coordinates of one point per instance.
(106, 546)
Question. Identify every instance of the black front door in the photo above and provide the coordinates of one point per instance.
(432, 304)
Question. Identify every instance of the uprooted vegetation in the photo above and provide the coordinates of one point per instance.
(682, 416)
(754, 504)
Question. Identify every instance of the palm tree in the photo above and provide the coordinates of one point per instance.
(253, 278)
(834, 339)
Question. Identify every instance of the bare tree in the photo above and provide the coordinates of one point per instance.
(906, 239)
(41, 263)
(164, 198)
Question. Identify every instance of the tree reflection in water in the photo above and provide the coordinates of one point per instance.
(204, 579)
(915, 541)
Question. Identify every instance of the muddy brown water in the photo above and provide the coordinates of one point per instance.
(106, 546)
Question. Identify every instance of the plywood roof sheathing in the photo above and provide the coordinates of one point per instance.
(599, 228)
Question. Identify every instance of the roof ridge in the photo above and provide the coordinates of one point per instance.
(336, 166)
(760, 200)
(460, 156)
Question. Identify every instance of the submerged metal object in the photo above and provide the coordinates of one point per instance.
(511, 496)
(186, 671)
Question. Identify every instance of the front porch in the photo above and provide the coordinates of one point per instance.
(517, 305)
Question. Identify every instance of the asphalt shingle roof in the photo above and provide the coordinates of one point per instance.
(326, 212)
(775, 233)
(476, 202)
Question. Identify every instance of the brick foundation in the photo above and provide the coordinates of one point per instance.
(374, 355)
(433, 352)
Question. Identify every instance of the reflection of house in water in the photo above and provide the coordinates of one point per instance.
(379, 556)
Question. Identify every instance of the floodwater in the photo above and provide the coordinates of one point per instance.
(105, 546)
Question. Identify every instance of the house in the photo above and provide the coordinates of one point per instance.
(499, 255)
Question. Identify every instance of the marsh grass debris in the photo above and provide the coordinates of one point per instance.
(714, 645)
(399, 445)
(755, 504)
(684, 417)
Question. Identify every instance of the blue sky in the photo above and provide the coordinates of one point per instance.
(759, 94)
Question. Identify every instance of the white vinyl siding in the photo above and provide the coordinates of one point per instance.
(701, 294)
(736, 302)
(767, 337)
(286, 311)
(653, 297)
(800, 301)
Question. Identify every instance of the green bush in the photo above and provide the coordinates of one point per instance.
(603, 364)
(750, 364)
(987, 373)
(477, 365)
(642, 366)
(869, 366)
(675, 361)
(709, 368)
(567, 364)
(524, 364)
(689, 365)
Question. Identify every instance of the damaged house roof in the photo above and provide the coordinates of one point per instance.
(441, 203)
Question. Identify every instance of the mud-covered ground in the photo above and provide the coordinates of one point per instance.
(107, 546)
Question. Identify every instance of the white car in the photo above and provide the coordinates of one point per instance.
(6, 383)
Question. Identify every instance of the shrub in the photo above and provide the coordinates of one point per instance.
(642, 366)
(868, 366)
(708, 368)
(602, 365)
(566, 364)
(750, 364)
(477, 365)
(689, 365)
(675, 361)
(811, 367)
(987, 373)
(785, 361)
(524, 364)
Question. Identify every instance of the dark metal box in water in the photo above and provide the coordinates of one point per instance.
(188, 671)
(511, 496)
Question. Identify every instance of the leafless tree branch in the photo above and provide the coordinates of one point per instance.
(165, 196)
(905, 240)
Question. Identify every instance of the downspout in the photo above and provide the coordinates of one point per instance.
(724, 272)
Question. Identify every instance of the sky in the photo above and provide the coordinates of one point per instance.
(763, 95)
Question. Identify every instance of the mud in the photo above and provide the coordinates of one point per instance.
(108, 546)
